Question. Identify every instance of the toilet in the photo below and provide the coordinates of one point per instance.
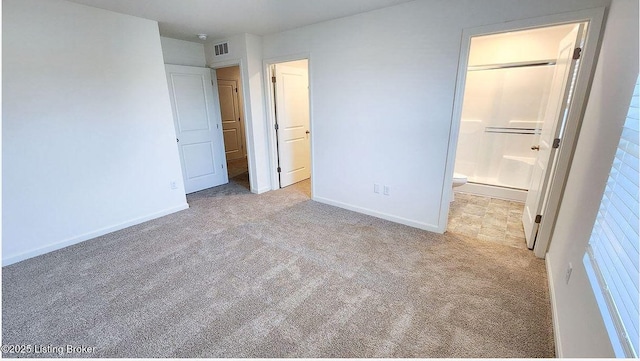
(458, 180)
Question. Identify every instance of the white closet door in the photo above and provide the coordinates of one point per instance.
(196, 116)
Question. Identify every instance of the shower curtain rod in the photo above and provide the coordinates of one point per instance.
(521, 64)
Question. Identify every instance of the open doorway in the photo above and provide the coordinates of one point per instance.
(230, 94)
(291, 114)
(514, 111)
(509, 79)
(515, 97)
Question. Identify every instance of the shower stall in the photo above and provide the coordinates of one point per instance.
(505, 98)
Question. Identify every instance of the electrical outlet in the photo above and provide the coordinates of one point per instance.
(386, 190)
(173, 185)
(376, 188)
(568, 274)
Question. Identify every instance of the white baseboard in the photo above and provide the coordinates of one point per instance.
(554, 310)
(261, 190)
(388, 217)
(90, 235)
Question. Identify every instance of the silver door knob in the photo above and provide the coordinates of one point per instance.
(535, 147)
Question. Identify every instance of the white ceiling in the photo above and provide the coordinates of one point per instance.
(183, 19)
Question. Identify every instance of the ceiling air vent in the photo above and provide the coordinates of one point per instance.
(221, 49)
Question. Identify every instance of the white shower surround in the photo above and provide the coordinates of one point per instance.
(500, 164)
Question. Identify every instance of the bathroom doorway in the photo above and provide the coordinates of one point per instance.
(507, 78)
(508, 87)
(516, 92)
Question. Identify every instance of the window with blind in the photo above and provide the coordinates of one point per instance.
(612, 255)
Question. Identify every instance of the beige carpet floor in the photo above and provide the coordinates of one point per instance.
(279, 275)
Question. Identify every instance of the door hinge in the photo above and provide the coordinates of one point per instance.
(556, 143)
(279, 170)
(222, 166)
(217, 126)
(273, 79)
(538, 218)
(576, 53)
(277, 126)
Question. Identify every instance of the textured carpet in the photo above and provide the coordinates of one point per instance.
(279, 275)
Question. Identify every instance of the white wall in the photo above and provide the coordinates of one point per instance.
(246, 51)
(382, 89)
(88, 141)
(180, 52)
(237, 51)
(580, 328)
(257, 112)
(526, 45)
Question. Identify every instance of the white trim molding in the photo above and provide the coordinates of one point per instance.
(385, 216)
(90, 235)
(554, 310)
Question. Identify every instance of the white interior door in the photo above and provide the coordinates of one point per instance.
(292, 116)
(231, 124)
(551, 129)
(198, 127)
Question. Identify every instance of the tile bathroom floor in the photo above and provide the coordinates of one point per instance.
(487, 219)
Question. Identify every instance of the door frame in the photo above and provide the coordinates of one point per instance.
(248, 135)
(271, 116)
(591, 47)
